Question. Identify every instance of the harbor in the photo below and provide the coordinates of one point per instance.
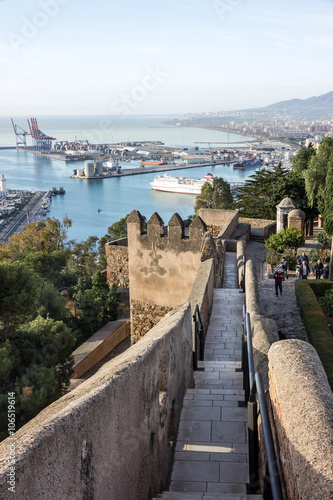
(96, 170)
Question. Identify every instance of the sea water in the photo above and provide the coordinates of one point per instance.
(115, 197)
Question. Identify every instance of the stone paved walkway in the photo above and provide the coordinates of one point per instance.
(211, 456)
(283, 310)
(230, 270)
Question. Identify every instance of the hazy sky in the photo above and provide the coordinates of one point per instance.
(170, 56)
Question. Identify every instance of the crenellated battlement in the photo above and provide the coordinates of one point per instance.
(163, 262)
(171, 237)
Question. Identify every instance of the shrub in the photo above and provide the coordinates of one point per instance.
(327, 301)
(324, 239)
(316, 326)
(320, 287)
(273, 257)
(320, 254)
(290, 237)
(291, 260)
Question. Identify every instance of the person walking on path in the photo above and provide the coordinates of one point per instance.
(279, 277)
(326, 271)
(319, 269)
(304, 257)
(298, 269)
(285, 266)
(304, 270)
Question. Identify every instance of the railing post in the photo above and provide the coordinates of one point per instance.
(274, 487)
(252, 410)
(195, 344)
(245, 364)
(243, 281)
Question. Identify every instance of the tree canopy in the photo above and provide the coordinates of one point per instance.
(42, 236)
(53, 296)
(264, 190)
(217, 195)
(289, 237)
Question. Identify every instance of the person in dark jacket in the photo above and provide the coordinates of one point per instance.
(326, 271)
(304, 270)
(319, 269)
(278, 277)
(285, 267)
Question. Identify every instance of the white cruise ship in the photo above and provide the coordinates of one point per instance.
(181, 185)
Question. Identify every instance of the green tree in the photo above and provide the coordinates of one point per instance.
(300, 162)
(328, 210)
(217, 195)
(46, 236)
(264, 190)
(49, 266)
(51, 303)
(18, 298)
(315, 174)
(37, 366)
(290, 237)
(96, 306)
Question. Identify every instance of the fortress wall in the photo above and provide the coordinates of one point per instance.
(220, 223)
(117, 262)
(143, 317)
(162, 267)
(110, 438)
(302, 404)
(264, 334)
(160, 263)
(241, 252)
(202, 292)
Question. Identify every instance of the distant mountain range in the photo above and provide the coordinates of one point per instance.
(324, 101)
(317, 105)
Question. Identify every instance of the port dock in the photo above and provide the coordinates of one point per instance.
(154, 169)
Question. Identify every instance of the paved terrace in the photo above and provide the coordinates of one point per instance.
(211, 456)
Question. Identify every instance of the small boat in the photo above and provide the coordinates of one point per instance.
(152, 163)
(248, 163)
(99, 210)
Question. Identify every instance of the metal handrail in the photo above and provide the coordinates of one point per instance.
(199, 333)
(272, 479)
(254, 391)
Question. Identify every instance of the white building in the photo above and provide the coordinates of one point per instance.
(3, 187)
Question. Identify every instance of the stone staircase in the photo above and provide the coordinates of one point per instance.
(230, 271)
(211, 454)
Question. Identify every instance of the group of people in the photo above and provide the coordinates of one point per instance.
(302, 271)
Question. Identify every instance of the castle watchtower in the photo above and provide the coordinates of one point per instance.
(282, 211)
(163, 263)
(296, 218)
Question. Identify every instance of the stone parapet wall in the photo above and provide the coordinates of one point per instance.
(214, 230)
(161, 261)
(267, 226)
(202, 291)
(144, 317)
(241, 247)
(214, 249)
(117, 263)
(302, 405)
(111, 437)
(257, 222)
(224, 220)
(264, 330)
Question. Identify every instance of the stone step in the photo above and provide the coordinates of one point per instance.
(177, 495)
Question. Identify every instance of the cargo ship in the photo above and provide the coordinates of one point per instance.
(152, 163)
(180, 185)
(252, 162)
